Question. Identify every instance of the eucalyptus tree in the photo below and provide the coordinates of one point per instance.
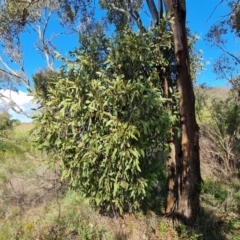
(185, 167)
(223, 34)
(24, 19)
(219, 35)
(184, 177)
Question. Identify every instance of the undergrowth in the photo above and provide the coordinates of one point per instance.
(36, 204)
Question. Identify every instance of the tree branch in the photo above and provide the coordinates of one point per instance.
(153, 11)
(41, 35)
(215, 9)
(160, 9)
(12, 73)
(228, 53)
(12, 105)
(130, 14)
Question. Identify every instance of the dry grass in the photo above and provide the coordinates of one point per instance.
(24, 127)
(35, 204)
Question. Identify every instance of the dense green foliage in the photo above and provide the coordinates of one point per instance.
(110, 127)
(42, 79)
(5, 121)
(224, 130)
(6, 126)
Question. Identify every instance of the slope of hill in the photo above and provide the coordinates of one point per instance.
(36, 204)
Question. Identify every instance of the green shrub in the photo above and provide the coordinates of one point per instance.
(110, 127)
(215, 189)
(5, 122)
(10, 148)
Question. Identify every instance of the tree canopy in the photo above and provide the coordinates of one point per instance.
(227, 65)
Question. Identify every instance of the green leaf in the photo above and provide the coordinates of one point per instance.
(114, 154)
(115, 189)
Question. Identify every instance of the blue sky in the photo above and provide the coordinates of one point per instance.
(199, 21)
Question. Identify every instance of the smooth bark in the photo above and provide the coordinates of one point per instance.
(184, 177)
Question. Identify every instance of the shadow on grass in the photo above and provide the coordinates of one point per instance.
(156, 197)
(208, 226)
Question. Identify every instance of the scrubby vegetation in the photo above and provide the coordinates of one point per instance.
(116, 150)
(36, 204)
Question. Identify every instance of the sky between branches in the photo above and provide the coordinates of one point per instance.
(200, 16)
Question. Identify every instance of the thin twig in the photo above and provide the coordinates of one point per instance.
(215, 9)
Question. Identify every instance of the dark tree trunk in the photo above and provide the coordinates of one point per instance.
(184, 176)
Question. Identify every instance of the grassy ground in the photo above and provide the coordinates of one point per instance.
(35, 204)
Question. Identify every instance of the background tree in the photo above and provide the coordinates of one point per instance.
(227, 65)
(219, 122)
(6, 122)
(21, 18)
(6, 125)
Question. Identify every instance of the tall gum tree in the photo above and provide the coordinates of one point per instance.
(184, 178)
(41, 20)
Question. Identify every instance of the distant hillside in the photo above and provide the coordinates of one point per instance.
(217, 93)
(24, 127)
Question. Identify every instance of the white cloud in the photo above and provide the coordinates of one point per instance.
(23, 100)
(208, 62)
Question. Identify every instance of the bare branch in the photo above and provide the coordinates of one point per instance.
(12, 73)
(215, 9)
(121, 10)
(223, 48)
(153, 10)
(12, 105)
(160, 9)
(41, 35)
(230, 54)
(130, 14)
